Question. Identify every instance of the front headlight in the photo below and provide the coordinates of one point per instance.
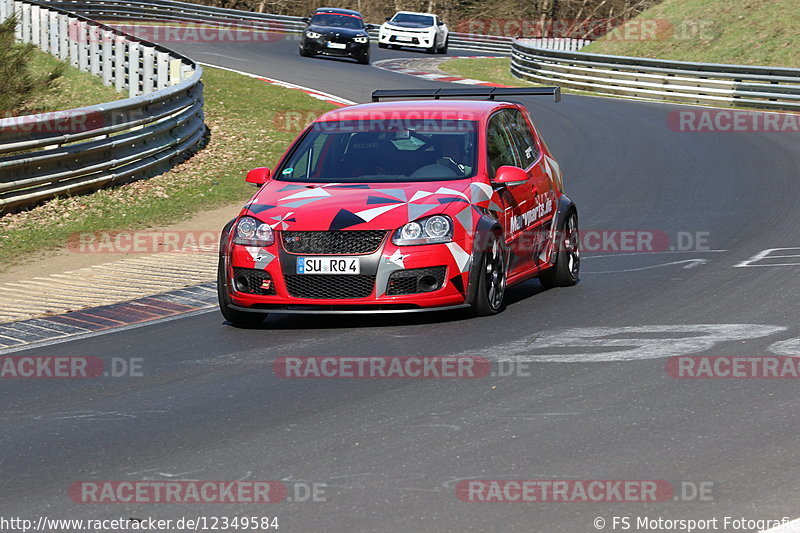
(431, 230)
(252, 232)
(313, 35)
(361, 40)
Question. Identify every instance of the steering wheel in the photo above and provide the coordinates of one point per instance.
(452, 165)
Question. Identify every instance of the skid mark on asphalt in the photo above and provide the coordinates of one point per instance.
(428, 69)
(625, 343)
(84, 416)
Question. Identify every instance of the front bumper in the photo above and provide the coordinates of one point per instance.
(320, 47)
(391, 279)
(410, 39)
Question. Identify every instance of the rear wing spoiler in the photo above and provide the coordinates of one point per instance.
(488, 93)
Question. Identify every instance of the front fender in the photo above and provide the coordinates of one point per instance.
(565, 205)
(486, 225)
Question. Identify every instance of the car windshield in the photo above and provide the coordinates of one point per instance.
(383, 151)
(408, 18)
(337, 21)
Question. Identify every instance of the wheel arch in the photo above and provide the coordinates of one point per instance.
(485, 226)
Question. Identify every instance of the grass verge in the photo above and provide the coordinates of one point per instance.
(495, 70)
(240, 111)
(72, 89)
(742, 32)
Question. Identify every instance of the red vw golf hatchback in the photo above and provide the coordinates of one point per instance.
(402, 206)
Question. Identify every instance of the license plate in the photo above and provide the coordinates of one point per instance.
(404, 39)
(328, 265)
(340, 46)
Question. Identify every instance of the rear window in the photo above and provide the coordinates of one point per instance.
(383, 151)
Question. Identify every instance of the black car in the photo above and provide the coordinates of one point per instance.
(336, 32)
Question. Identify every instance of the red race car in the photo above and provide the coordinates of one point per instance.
(403, 206)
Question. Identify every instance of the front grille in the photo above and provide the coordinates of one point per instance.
(329, 286)
(338, 39)
(415, 280)
(332, 242)
(252, 281)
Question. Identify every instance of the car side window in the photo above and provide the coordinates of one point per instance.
(500, 144)
(523, 138)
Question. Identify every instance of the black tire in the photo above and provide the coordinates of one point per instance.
(568, 258)
(432, 49)
(304, 52)
(491, 279)
(240, 319)
(443, 49)
(383, 45)
(364, 60)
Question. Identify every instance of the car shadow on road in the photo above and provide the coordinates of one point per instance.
(514, 296)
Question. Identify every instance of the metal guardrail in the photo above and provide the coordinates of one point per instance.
(171, 10)
(81, 150)
(657, 79)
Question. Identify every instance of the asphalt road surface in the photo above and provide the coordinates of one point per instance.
(593, 400)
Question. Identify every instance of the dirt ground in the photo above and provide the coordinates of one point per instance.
(46, 263)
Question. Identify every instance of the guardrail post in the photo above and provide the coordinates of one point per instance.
(120, 47)
(162, 70)
(63, 36)
(94, 49)
(18, 12)
(83, 49)
(148, 69)
(108, 65)
(53, 16)
(175, 71)
(3, 10)
(26, 23)
(44, 30)
(35, 21)
(134, 69)
(74, 42)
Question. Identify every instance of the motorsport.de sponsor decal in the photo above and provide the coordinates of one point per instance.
(532, 215)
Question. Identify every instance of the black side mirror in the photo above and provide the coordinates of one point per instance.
(388, 18)
(306, 20)
(369, 27)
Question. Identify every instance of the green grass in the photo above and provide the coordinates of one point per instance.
(492, 69)
(744, 32)
(72, 89)
(239, 110)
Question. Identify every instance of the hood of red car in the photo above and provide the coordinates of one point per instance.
(362, 206)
